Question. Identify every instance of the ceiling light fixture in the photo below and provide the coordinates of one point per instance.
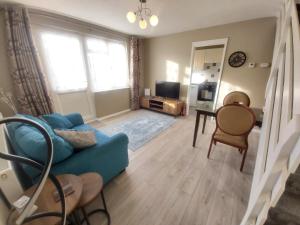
(142, 13)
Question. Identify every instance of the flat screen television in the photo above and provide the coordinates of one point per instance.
(167, 89)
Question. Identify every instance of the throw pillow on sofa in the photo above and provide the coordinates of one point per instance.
(15, 125)
(58, 121)
(79, 139)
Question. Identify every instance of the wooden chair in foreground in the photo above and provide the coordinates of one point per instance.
(237, 97)
(233, 125)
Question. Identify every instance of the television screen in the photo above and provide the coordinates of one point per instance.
(167, 89)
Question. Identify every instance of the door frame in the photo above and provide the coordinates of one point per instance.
(206, 43)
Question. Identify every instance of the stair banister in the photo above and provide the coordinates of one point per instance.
(279, 146)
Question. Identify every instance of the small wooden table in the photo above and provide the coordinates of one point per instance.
(209, 111)
(47, 203)
(92, 187)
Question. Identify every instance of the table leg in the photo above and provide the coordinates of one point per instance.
(85, 216)
(105, 211)
(76, 218)
(196, 128)
(105, 207)
(204, 123)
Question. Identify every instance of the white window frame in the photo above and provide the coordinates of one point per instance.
(119, 41)
(83, 43)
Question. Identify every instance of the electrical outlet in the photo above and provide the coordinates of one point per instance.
(264, 65)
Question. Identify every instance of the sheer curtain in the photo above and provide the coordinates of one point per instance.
(108, 64)
(29, 81)
(65, 61)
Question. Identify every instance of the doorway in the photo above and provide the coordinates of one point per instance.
(207, 60)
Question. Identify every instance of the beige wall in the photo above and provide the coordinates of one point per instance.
(5, 81)
(109, 102)
(255, 37)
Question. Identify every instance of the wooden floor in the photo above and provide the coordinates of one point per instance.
(168, 182)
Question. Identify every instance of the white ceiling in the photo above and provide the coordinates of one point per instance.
(174, 15)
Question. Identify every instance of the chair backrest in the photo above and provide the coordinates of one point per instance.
(237, 97)
(235, 119)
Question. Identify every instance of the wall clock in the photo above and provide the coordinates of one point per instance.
(237, 59)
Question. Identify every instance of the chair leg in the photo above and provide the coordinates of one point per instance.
(209, 150)
(244, 158)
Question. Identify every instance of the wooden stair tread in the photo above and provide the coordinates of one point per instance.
(287, 210)
(293, 184)
(279, 217)
(289, 203)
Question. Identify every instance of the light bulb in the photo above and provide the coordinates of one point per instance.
(143, 24)
(131, 17)
(153, 20)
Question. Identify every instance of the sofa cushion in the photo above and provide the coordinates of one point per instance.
(33, 145)
(14, 125)
(29, 142)
(40, 122)
(58, 121)
(75, 118)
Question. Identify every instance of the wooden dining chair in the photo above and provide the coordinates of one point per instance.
(237, 97)
(233, 125)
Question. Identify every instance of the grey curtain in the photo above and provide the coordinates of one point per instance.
(29, 82)
(135, 45)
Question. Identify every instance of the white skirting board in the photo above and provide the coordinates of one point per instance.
(114, 114)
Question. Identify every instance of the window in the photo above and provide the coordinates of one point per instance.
(66, 59)
(65, 62)
(108, 64)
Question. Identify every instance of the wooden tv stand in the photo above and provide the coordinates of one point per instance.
(166, 105)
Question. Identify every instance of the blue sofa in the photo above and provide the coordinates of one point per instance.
(108, 157)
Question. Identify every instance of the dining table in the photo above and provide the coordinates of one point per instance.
(210, 110)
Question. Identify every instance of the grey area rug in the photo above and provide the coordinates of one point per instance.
(141, 128)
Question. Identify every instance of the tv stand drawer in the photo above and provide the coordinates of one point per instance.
(144, 102)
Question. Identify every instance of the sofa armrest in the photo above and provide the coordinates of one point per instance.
(75, 118)
(120, 138)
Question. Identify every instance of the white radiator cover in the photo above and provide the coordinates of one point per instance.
(8, 180)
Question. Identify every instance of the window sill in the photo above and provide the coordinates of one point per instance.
(70, 91)
(111, 90)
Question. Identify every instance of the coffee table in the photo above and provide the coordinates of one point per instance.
(47, 203)
(92, 187)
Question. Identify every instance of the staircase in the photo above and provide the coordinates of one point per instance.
(275, 191)
(287, 210)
